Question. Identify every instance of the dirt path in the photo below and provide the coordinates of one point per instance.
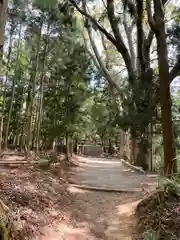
(111, 174)
(57, 210)
(102, 215)
(97, 216)
(107, 215)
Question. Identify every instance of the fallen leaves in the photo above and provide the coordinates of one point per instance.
(31, 192)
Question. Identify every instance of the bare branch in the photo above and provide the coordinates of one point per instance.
(149, 39)
(151, 33)
(140, 36)
(128, 31)
(98, 60)
(101, 64)
(104, 4)
(117, 41)
(120, 45)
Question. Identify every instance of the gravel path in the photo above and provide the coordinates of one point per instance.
(111, 174)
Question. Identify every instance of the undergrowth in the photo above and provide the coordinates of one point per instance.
(150, 235)
(159, 213)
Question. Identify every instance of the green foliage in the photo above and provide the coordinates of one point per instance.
(174, 33)
(45, 5)
(172, 187)
(176, 118)
(150, 235)
(4, 235)
(63, 70)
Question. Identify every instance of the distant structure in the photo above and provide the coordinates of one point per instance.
(175, 86)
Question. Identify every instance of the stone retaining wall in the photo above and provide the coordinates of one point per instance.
(91, 150)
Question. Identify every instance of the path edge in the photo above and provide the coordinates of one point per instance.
(102, 189)
(127, 164)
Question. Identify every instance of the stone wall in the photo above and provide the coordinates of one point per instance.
(91, 150)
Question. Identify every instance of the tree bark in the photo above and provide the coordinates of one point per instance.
(3, 9)
(67, 147)
(165, 98)
(13, 89)
(42, 90)
(120, 45)
(133, 150)
(4, 90)
(32, 90)
(19, 119)
(128, 30)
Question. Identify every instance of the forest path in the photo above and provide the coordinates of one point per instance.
(101, 215)
(56, 210)
(111, 174)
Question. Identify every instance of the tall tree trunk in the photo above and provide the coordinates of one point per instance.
(13, 89)
(128, 30)
(165, 99)
(32, 93)
(133, 150)
(3, 9)
(67, 147)
(34, 140)
(42, 89)
(158, 26)
(39, 119)
(4, 88)
(19, 119)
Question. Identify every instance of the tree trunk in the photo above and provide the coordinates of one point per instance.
(170, 164)
(133, 150)
(128, 30)
(165, 99)
(3, 9)
(34, 139)
(40, 114)
(122, 145)
(42, 90)
(75, 146)
(19, 119)
(4, 90)
(70, 147)
(13, 89)
(67, 147)
(101, 64)
(29, 115)
(110, 148)
(142, 154)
